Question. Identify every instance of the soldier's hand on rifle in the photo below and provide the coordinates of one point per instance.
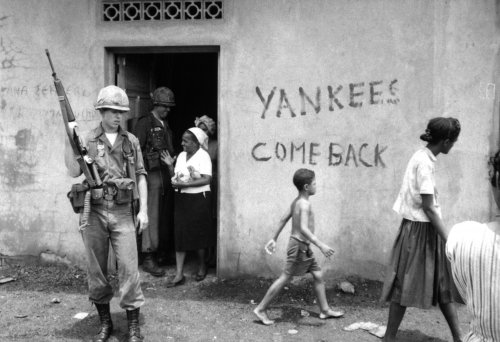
(167, 158)
(142, 221)
(72, 125)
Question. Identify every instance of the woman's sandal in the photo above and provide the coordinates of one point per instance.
(200, 277)
(176, 283)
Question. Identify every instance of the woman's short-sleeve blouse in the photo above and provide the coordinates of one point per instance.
(418, 180)
(201, 163)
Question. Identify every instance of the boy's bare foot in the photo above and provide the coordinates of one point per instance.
(331, 314)
(262, 316)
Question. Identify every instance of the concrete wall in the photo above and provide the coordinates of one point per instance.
(343, 87)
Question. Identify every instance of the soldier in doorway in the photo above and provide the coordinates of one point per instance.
(155, 136)
(111, 216)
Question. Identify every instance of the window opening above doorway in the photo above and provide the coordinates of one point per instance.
(161, 10)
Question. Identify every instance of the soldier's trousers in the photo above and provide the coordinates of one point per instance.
(158, 194)
(111, 222)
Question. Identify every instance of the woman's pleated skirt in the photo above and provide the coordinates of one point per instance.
(419, 273)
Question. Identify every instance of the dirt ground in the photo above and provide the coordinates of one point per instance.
(211, 310)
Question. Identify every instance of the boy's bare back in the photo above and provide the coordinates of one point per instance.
(302, 213)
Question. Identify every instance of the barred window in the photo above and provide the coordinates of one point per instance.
(143, 10)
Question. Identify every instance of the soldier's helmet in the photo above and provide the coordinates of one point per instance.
(112, 97)
(163, 96)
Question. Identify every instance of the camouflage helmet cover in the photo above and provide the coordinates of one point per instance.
(112, 97)
(163, 96)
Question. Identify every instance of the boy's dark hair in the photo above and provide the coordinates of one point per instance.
(440, 129)
(302, 177)
(495, 169)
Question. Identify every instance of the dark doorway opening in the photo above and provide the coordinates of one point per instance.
(191, 76)
(191, 73)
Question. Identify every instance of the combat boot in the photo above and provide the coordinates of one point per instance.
(106, 323)
(134, 332)
(149, 265)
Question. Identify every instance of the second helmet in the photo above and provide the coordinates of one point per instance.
(163, 96)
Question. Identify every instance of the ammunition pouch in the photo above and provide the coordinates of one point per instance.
(124, 188)
(77, 196)
(97, 196)
(153, 161)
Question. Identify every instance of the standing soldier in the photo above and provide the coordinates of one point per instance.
(155, 137)
(118, 157)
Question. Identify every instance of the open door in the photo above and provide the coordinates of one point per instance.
(134, 76)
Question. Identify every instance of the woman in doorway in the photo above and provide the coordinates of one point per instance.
(192, 213)
(419, 274)
(474, 251)
(207, 124)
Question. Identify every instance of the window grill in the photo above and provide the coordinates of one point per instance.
(136, 10)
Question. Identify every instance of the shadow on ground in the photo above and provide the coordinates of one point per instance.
(299, 290)
(416, 336)
(86, 328)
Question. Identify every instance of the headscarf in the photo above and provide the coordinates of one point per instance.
(207, 121)
(201, 136)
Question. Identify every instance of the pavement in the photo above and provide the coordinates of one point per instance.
(42, 301)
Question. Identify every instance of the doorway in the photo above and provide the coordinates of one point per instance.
(190, 72)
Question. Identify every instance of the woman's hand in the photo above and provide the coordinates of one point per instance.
(176, 184)
(167, 158)
(203, 180)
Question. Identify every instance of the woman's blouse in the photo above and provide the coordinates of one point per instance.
(201, 162)
(474, 253)
(418, 180)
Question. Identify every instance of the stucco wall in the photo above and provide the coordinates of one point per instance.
(372, 74)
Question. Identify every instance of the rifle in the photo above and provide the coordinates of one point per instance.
(85, 162)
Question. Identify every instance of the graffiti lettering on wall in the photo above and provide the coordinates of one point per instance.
(17, 112)
(41, 90)
(313, 153)
(354, 95)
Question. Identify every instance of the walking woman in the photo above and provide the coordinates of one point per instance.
(419, 273)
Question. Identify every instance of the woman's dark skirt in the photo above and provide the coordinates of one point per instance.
(193, 221)
(419, 274)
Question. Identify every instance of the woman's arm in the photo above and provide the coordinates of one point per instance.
(204, 180)
(433, 215)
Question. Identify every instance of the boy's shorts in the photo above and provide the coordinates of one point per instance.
(300, 258)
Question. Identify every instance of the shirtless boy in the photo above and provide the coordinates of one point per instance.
(300, 258)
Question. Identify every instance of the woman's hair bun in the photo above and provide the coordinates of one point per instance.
(426, 136)
(441, 128)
